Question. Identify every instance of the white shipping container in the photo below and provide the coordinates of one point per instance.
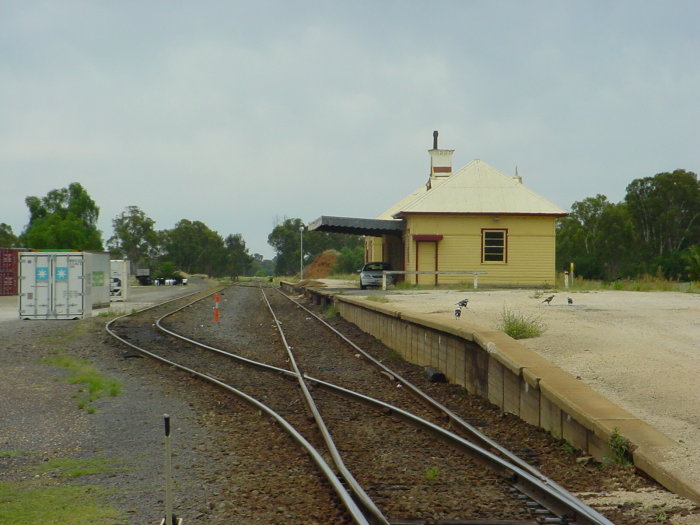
(119, 279)
(100, 268)
(54, 285)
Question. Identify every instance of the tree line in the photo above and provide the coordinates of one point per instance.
(67, 218)
(655, 230)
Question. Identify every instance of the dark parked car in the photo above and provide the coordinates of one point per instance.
(371, 274)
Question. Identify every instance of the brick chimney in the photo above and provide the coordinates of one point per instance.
(440, 160)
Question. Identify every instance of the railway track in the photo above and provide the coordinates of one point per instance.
(385, 456)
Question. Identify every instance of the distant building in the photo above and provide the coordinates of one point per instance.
(476, 219)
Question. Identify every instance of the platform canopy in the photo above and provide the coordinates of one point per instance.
(353, 226)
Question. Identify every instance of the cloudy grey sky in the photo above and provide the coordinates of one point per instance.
(239, 114)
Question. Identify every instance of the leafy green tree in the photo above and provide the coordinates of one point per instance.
(239, 260)
(7, 238)
(194, 248)
(692, 260)
(596, 237)
(134, 238)
(665, 210)
(285, 239)
(650, 232)
(261, 267)
(350, 259)
(64, 219)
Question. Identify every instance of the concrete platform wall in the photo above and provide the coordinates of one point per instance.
(496, 367)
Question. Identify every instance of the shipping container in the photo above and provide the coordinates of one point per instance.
(9, 260)
(119, 279)
(55, 285)
(8, 283)
(100, 269)
(9, 270)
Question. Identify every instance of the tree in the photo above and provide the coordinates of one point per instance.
(261, 267)
(239, 260)
(596, 236)
(7, 238)
(665, 210)
(285, 239)
(64, 219)
(350, 260)
(194, 248)
(692, 260)
(134, 238)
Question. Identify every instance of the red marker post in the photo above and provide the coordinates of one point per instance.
(217, 297)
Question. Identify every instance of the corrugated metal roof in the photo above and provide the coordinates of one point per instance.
(476, 188)
(356, 226)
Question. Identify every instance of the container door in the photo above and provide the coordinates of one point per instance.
(35, 285)
(69, 284)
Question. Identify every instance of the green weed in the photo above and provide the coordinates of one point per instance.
(568, 448)
(432, 473)
(377, 298)
(331, 311)
(393, 356)
(621, 448)
(93, 384)
(519, 325)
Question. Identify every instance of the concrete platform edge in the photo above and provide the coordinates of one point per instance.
(563, 409)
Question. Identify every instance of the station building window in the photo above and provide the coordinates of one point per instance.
(493, 246)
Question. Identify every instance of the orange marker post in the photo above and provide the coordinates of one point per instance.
(216, 307)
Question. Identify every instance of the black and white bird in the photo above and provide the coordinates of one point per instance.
(548, 299)
(569, 300)
(461, 304)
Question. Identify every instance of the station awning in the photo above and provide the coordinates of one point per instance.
(374, 227)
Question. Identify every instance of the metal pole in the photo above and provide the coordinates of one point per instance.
(168, 474)
(301, 253)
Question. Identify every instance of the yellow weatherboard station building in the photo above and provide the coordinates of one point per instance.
(476, 219)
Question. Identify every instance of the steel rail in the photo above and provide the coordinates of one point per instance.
(354, 485)
(473, 431)
(345, 496)
(547, 494)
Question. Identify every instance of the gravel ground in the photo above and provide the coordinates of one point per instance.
(40, 417)
(641, 350)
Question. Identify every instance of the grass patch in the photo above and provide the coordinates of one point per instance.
(65, 334)
(12, 453)
(394, 356)
(92, 383)
(29, 502)
(377, 298)
(405, 285)
(345, 277)
(70, 468)
(331, 311)
(519, 325)
(643, 283)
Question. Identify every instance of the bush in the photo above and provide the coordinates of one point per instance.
(519, 325)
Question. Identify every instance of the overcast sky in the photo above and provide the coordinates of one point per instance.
(241, 114)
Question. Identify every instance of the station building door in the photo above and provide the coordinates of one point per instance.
(426, 260)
